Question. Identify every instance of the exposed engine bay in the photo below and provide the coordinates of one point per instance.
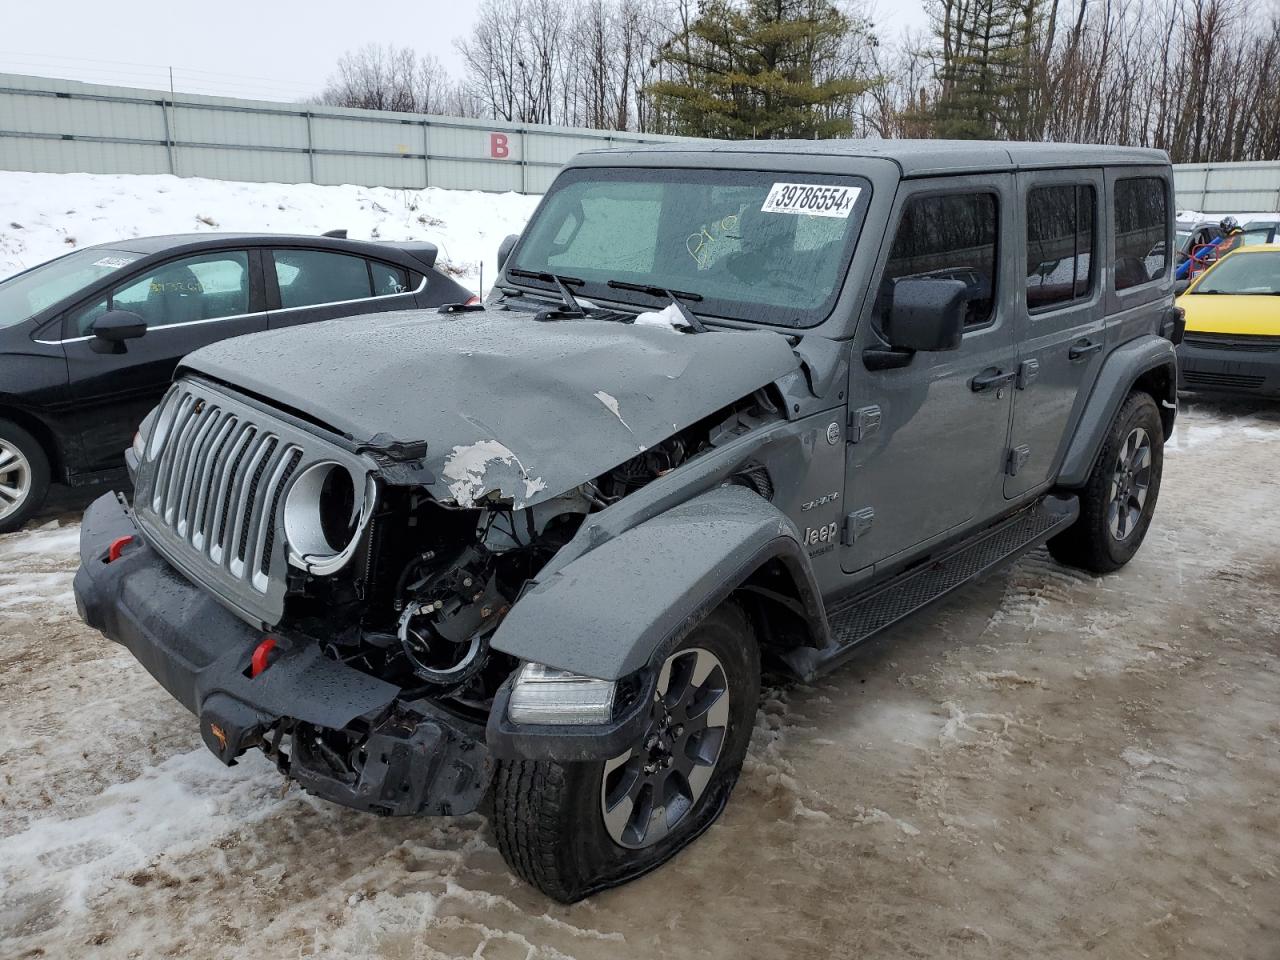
(431, 581)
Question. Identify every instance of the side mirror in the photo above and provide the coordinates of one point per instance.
(505, 248)
(113, 328)
(1180, 287)
(927, 315)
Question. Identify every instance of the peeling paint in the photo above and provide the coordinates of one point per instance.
(468, 468)
(612, 403)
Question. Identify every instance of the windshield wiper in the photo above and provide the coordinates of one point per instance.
(678, 297)
(572, 309)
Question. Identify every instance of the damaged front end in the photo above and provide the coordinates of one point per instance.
(347, 593)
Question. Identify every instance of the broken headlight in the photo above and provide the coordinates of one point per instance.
(325, 512)
(543, 695)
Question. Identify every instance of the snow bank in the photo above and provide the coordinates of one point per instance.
(44, 215)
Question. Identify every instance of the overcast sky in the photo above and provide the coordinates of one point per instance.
(266, 49)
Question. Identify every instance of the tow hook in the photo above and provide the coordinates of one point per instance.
(261, 653)
(117, 548)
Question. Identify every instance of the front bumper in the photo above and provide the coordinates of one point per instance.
(403, 758)
(1227, 364)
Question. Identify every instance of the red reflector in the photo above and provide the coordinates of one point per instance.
(117, 548)
(260, 654)
(473, 301)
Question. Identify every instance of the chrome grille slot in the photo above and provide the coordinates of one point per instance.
(212, 490)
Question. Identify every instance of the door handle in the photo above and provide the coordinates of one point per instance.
(991, 377)
(1083, 348)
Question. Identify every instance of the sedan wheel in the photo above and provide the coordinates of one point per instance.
(15, 479)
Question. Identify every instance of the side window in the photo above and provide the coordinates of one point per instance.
(951, 237)
(1141, 225)
(206, 287)
(1059, 244)
(389, 280)
(309, 277)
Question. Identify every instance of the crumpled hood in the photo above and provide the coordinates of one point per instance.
(505, 403)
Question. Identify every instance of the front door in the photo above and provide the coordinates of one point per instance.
(928, 441)
(1060, 321)
(187, 304)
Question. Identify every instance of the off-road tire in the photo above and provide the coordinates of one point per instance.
(1089, 542)
(37, 474)
(547, 814)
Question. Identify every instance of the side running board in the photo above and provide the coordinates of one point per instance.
(859, 618)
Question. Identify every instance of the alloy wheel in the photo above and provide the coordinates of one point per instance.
(648, 791)
(15, 479)
(1130, 484)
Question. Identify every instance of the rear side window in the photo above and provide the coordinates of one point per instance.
(1141, 225)
(311, 277)
(951, 237)
(1059, 244)
(389, 280)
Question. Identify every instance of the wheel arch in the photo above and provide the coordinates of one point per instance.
(1148, 364)
(659, 586)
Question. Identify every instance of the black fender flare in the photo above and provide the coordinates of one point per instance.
(623, 605)
(1127, 366)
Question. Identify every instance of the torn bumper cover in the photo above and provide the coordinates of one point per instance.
(352, 740)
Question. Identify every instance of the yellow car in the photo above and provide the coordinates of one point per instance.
(1232, 341)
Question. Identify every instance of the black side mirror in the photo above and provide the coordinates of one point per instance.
(113, 328)
(505, 248)
(927, 315)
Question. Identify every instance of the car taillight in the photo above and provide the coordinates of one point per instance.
(474, 301)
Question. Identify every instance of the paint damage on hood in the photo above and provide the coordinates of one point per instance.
(509, 408)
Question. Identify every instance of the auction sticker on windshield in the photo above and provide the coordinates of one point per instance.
(813, 199)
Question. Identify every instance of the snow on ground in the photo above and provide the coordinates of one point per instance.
(1048, 765)
(88, 209)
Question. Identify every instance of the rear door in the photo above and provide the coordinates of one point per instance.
(187, 303)
(307, 285)
(928, 440)
(1060, 325)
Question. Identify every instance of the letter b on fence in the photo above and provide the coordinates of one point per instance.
(499, 149)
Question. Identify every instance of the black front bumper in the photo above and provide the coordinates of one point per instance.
(1227, 364)
(404, 758)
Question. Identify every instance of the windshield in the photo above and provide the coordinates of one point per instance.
(756, 246)
(25, 295)
(1244, 274)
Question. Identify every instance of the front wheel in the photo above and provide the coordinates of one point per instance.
(570, 829)
(1117, 503)
(24, 476)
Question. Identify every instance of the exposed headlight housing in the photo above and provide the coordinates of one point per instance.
(325, 512)
(543, 695)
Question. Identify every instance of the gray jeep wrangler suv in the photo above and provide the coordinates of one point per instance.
(727, 403)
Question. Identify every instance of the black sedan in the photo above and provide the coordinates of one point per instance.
(89, 342)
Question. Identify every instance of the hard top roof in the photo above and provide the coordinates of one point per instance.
(913, 157)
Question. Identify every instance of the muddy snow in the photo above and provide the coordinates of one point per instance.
(1048, 765)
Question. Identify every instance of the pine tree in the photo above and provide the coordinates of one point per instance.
(986, 72)
(758, 69)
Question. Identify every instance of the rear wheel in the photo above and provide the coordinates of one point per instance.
(573, 828)
(1117, 503)
(24, 476)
